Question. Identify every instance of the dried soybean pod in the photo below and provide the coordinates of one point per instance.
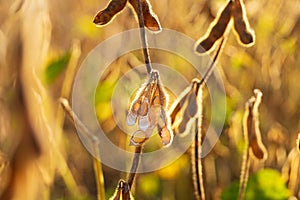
(155, 101)
(126, 195)
(165, 134)
(150, 19)
(217, 31)
(183, 123)
(122, 191)
(192, 101)
(113, 7)
(241, 24)
(258, 148)
(177, 108)
(138, 138)
(162, 95)
(164, 130)
(252, 127)
(144, 120)
(180, 107)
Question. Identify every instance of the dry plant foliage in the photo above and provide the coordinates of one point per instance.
(30, 153)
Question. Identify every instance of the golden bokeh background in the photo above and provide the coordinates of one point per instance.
(41, 156)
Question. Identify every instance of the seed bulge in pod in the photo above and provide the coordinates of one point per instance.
(131, 118)
(144, 122)
(138, 138)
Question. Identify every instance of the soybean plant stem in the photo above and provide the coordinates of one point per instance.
(134, 166)
(212, 65)
(84, 130)
(143, 37)
(196, 161)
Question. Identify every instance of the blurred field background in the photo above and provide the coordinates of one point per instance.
(41, 157)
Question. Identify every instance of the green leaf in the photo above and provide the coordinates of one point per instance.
(266, 184)
(56, 67)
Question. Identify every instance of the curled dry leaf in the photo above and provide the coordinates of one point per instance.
(216, 31)
(113, 8)
(150, 18)
(241, 24)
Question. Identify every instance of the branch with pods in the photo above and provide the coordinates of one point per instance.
(150, 106)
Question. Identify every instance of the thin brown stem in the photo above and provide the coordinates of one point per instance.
(196, 162)
(138, 149)
(244, 173)
(247, 129)
(196, 150)
(134, 165)
(143, 37)
(84, 130)
(212, 65)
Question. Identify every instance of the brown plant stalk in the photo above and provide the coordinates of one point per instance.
(143, 37)
(190, 104)
(196, 150)
(198, 181)
(139, 147)
(84, 130)
(134, 165)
